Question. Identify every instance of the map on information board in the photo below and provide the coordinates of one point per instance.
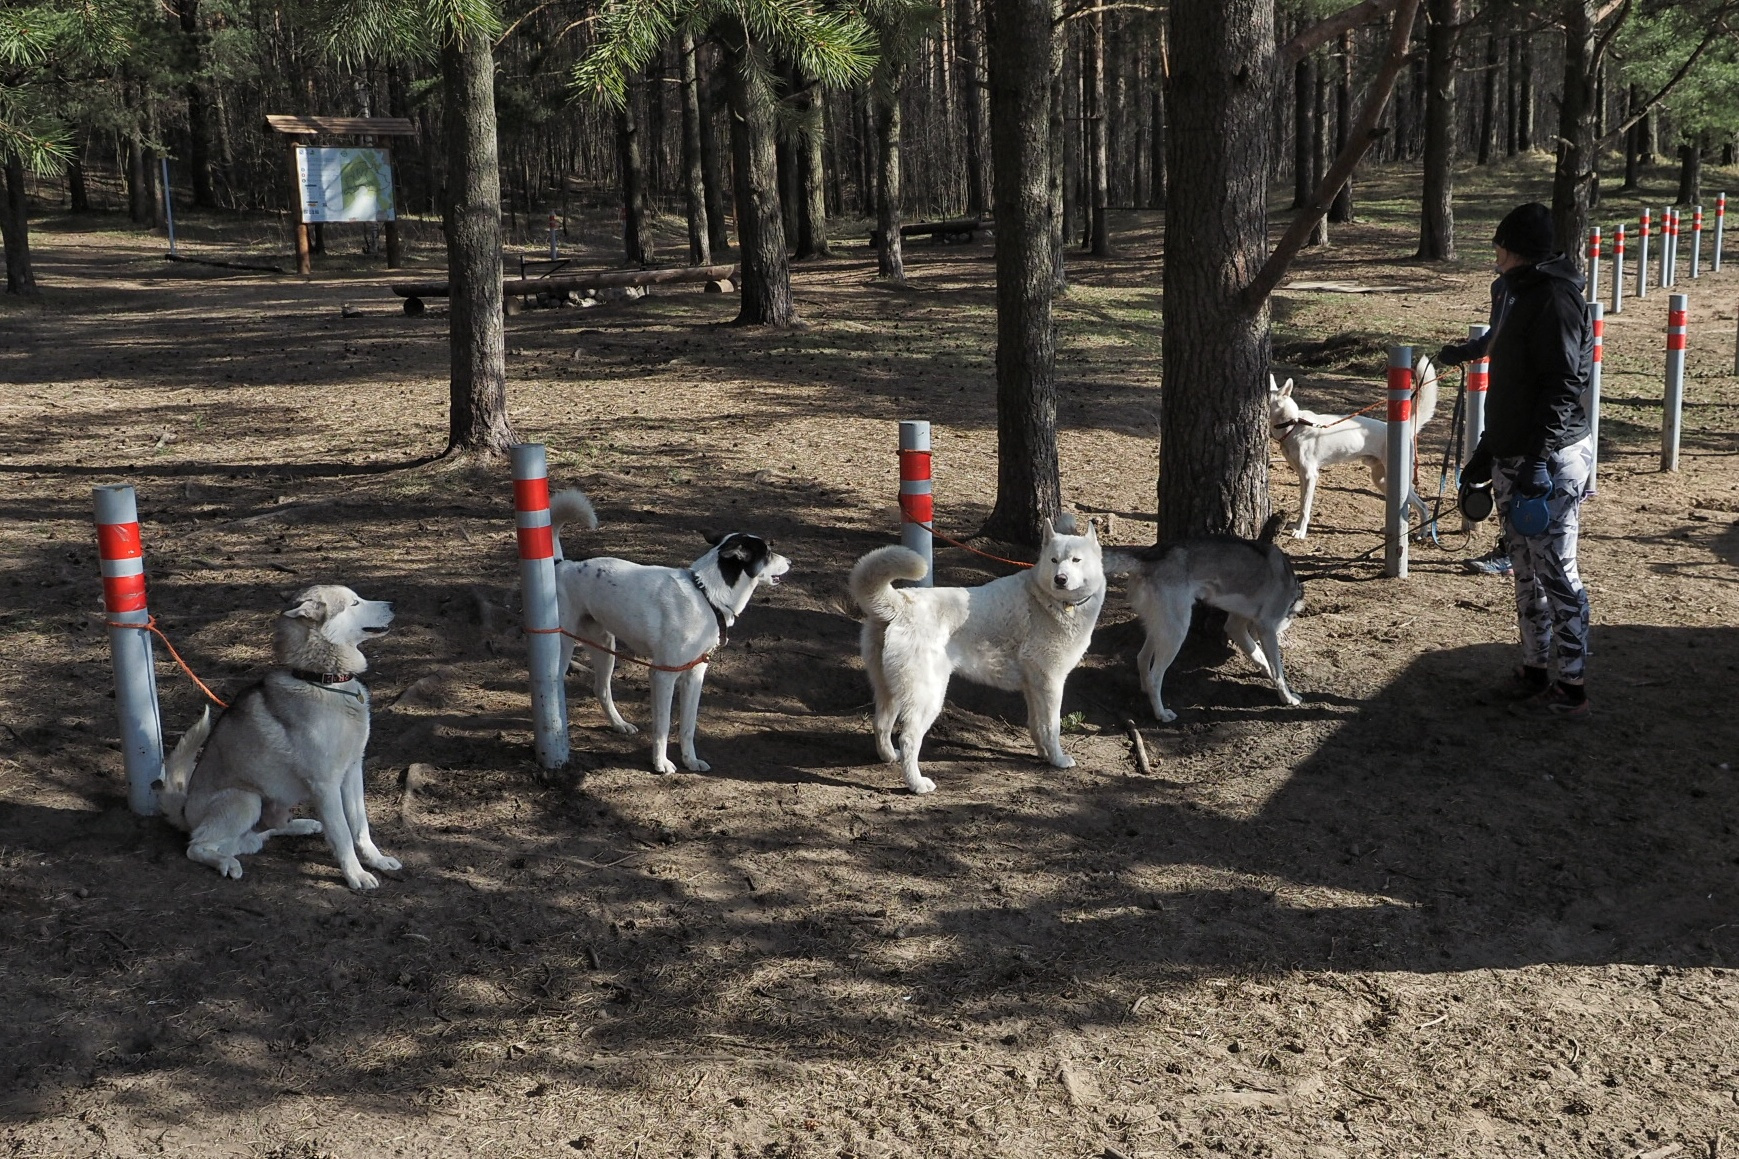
(344, 184)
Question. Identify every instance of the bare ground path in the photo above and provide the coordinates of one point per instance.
(1392, 921)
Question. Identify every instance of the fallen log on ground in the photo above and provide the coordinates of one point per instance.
(415, 292)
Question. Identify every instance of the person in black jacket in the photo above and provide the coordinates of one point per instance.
(1537, 443)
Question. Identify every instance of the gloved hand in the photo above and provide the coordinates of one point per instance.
(1534, 479)
(1450, 355)
(1478, 469)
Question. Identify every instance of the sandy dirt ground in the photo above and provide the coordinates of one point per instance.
(1392, 921)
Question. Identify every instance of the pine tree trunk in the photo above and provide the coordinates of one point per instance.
(717, 228)
(477, 417)
(972, 108)
(1488, 101)
(652, 147)
(1437, 201)
(1028, 488)
(1057, 146)
(1632, 142)
(1303, 98)
(812, 172)
(1319, 150)
(139, 196)
(1098, 144)
(694, 179)
(766, 291)
(1156, 174)
(1213, 473)
(1513, 93)
(890, 260)
(78, 193)
(1340, 210)
(1525, 116)
(1573, 177)
(15, 224)
(1690, 173)
(1650, 138)
(198, 120)
(636, 241)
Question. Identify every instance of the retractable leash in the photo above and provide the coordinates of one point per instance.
(1451, 456)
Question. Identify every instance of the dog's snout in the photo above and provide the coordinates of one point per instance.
(1061, 579)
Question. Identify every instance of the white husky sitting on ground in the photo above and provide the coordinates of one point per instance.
(1022, 632)
(297, 736)
(1311, 441)
(673, 616)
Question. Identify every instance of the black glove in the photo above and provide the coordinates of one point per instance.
(1534, 479)
(1450, 355)
(1478, 469)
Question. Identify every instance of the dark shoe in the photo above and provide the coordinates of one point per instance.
(1554, 703)
(1525, 683)
(1494, 562)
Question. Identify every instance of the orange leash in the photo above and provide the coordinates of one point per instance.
(968, 546)
(628, 656)
(150, 625)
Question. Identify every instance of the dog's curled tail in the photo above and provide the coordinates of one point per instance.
(1118, 562)
(1272, 528)
(873, 577)
(178, 769)
(1425, 396)
(570, 506)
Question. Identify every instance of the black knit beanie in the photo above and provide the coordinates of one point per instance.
(1526, 231)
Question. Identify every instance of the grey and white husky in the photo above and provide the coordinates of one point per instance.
(1251, 580)
(295, 737)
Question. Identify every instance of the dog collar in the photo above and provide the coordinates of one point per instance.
(718, 612)
(323, 677)
(329, 681)
(1281, 430)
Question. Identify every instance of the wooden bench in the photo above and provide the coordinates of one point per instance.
(956, 232)
(414, 292)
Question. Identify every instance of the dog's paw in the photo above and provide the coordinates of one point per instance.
(625, 728)
(662, 765)
(696, 765)
(363, 879)
(302, 827)
(1063, 761)
(382, 861)
(1165, 715)
(921, 785)
(1300, 533)
(886, 750)
(231, 868)
(1292, 699)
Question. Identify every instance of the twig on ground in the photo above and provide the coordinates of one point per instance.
(1141, 761)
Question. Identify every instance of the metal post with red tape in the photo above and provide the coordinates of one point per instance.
(1591, 399)
(1720, 228)
(537, 589)
(1696, 242)
(1673, 407)
(1593, 290)
(917, 498)
(1618, 269)
(123, 562)
(1399, 465)
(1642, 258)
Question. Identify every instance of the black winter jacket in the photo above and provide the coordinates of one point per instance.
(1542, 354)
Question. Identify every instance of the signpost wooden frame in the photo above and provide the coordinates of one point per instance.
(295, 126)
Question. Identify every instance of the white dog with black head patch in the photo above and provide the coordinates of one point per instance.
(675, 617)
(295, 737)
(1022, 632)
(1312, 441)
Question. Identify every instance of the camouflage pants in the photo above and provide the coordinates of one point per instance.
(1551, 603)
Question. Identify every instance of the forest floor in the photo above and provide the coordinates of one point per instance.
(1392, 921)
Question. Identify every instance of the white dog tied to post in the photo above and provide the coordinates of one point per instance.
(296, 737)
(675, 617)
(1022, 632)
(1252, 581)
(1312, 441)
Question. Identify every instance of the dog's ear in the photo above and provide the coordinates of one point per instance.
(306, 610)
(1286, 391)
(714, 538)
(1093, 530)
(1047, 530)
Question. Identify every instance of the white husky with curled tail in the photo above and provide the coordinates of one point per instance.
(1022, 632)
